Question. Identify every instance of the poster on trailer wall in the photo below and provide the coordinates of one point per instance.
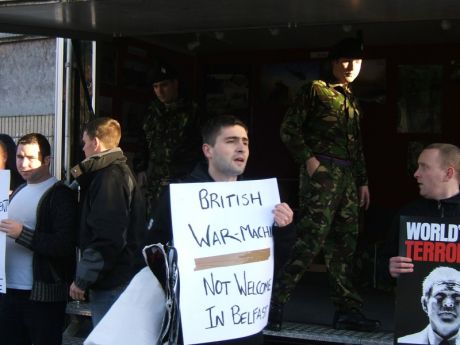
(428, 299)
(223, 235)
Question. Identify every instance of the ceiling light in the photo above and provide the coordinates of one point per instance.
(446, 24)
(347, 28)
(274, 31)
(219, 35)
(195, 43)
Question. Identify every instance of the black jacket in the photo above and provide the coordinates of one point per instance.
(112, 221)
(422, 207)
(53, 243)
(162, 232)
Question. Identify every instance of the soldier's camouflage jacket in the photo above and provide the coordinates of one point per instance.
(173, 142)
(325, 119)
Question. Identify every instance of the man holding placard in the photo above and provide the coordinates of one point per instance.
(240, 255)
(40, 250)
(438, 179)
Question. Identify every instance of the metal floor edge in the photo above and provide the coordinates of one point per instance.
(301, 331)
(328, 334)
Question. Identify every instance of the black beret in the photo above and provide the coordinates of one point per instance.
(163, 71)
(352, 48)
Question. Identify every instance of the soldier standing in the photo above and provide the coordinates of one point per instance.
(172, 146)
(322, 132)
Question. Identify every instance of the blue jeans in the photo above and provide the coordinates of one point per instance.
(100, 302)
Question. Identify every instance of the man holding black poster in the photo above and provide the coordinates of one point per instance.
(226, 148)
(438, 179)
(441, 303)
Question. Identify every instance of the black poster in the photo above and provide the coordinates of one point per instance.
(428, 300)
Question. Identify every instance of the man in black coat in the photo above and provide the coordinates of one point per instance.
(438, 177)
(112, 219)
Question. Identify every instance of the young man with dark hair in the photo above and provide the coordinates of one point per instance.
(226, 148)
(40, 250)
(112, 219)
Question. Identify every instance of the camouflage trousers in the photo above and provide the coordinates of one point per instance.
(328, 221)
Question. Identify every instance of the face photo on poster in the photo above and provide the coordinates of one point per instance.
(428, 300)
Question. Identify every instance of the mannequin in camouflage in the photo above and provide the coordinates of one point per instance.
(172, 145)
(322, 132)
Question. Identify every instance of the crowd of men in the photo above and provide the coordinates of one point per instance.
(104, 212)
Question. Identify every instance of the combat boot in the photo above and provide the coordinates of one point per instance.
(354, 320)
(275, 317)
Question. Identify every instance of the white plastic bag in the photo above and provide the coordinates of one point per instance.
(136, 316)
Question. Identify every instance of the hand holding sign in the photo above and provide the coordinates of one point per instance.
(400, 264)
(283, 214)
(12, 228)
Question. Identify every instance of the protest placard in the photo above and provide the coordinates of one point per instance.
(4, 201)
(433, 244)
(223, 235)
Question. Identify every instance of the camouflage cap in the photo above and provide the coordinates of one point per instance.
(163, 71)
(348, 48)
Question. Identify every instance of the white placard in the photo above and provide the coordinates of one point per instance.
(4, 202)
(223, 235)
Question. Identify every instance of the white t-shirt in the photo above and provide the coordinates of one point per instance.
(23, 209)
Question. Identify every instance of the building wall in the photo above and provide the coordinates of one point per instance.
(27, 83)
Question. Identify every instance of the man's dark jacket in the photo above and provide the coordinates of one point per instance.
(53, 243)
(112, 221)
(161, 231)
(422, 207)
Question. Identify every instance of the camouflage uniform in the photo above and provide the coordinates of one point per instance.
(173, 142)
(324, 122)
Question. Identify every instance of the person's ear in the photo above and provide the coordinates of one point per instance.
(98, 145)
(424, 301)
(206, 150)
(450, 173)
(47, 160)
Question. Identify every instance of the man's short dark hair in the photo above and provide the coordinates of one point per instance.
(106, 129)
(40, 140)
(214, 125)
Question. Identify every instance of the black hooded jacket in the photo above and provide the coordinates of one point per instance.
(112, 221)
(422, 207)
